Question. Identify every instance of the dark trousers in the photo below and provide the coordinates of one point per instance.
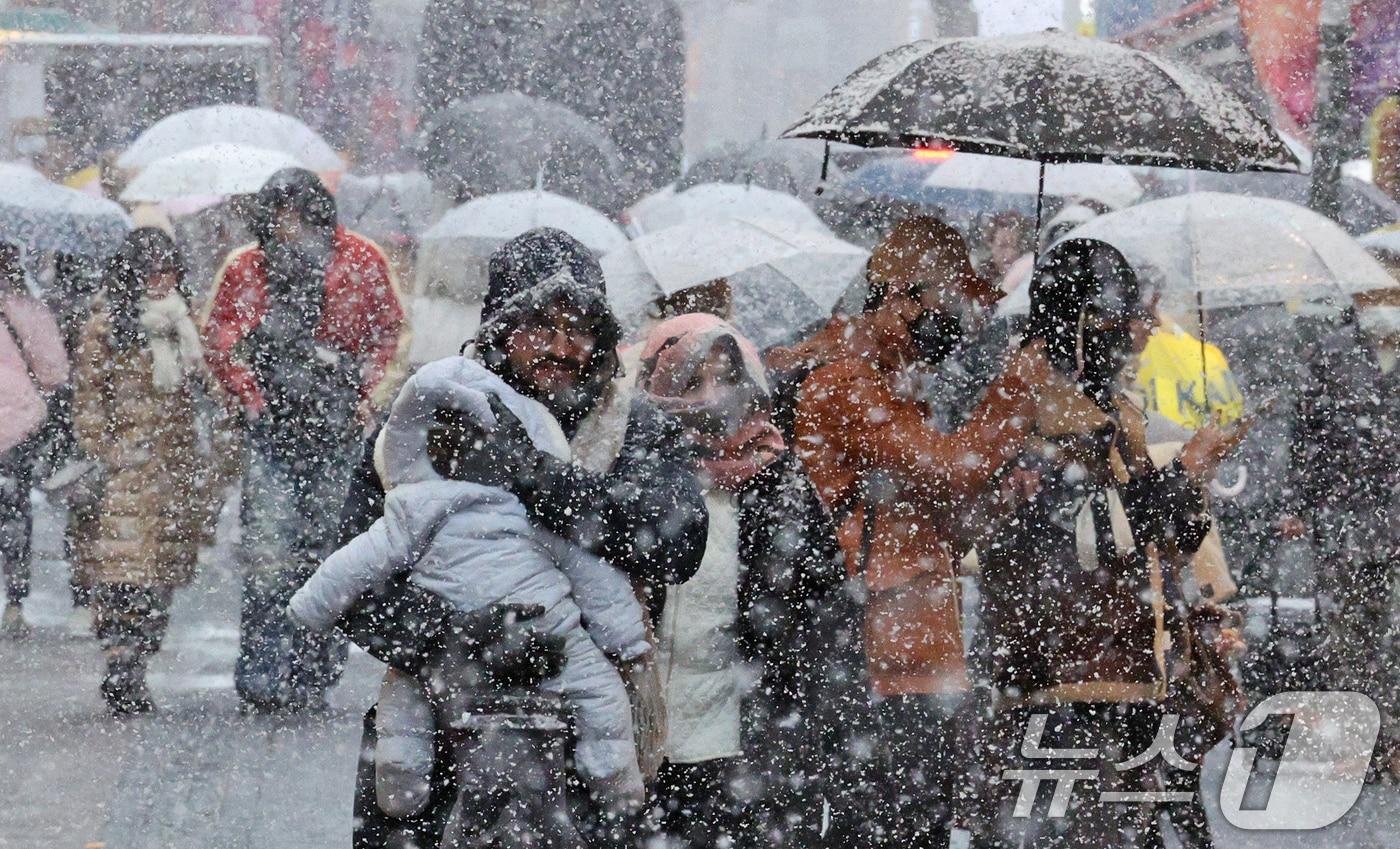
(131, 617)
(699, 802)
(16, 523)
(923, 769)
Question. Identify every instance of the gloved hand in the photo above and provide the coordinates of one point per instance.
(460, 449)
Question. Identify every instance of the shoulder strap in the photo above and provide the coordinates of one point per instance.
(23, 353)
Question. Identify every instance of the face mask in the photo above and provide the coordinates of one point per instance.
(936, 335)
(720, 415)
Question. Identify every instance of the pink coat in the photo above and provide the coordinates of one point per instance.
(22, 403)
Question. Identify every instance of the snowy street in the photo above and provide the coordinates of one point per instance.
(196, 773)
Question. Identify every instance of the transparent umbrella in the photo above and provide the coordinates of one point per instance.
(231, 124)
(717, 201)
(44, 216)
(783, 275)
(1215, 250)
(212, 170)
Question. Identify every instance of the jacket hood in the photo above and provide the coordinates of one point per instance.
(297, 189)
(537, 265)
(461, 384)
(923, 251)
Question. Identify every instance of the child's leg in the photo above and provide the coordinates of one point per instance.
(605, 753)
(403, 757)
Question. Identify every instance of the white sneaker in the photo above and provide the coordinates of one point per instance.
(79, 622)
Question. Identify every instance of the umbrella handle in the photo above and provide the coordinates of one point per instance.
(1220, 490)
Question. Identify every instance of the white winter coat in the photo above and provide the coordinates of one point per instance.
(474, 546)
(699, 664)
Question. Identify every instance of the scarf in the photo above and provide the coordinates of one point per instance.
(730, 423)
(174, 341)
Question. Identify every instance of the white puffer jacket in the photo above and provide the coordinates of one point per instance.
(474, 546)
(699, 664)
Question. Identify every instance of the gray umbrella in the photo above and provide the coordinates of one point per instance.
(513, 142)
(45, 216)
(1050, 97)
(781, 165)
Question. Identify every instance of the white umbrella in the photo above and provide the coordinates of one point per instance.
(1113, 185)
(454, 251)
(1384, 242)
(1237, 251)
(783, 275)
(44, 216)
(231, 124)
(718, 201)
(212, 170)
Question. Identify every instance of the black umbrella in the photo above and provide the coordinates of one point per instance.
(513, 142)
(1050, 97)
(1047, 96)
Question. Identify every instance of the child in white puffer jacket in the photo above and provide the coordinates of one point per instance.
(473, 545)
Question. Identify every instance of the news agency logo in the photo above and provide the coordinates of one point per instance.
(1319, 775)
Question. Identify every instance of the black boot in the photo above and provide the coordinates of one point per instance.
(124, 688)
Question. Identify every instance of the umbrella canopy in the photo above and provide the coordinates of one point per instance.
(43, 216)
(999, 177)
(781, 165)
(454, 251)
(212, 170)
(1364, 206)
(1237, 251)
(1047, 96)
(719, 201)
(231, 124)
(389, 208)
(511, 142)
(783, 275)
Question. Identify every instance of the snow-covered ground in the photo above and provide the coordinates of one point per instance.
(199, 774)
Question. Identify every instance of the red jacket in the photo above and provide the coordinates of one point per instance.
(361, 314)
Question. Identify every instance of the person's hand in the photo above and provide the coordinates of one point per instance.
(508, 427)
(1203, 453)
(1292, 527)
(1029, 364)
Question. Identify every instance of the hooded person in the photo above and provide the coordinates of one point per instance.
(920, 254)
(33, 364)
(909, 497)
(299, 331)
(139, 378)
(449, 525)
(626, 493)
(1082, 580)
(758, 650)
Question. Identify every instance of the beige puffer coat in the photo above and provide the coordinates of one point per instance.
(155, 510)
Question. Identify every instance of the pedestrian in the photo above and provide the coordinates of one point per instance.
(1380, 325)
(759, 651)
(1343, 488)
(300, 329)
(139, 369)
(909, 498)
(626, 494)
(33, 365)
(1077, 581)
(449, 524)
(1006, 238)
